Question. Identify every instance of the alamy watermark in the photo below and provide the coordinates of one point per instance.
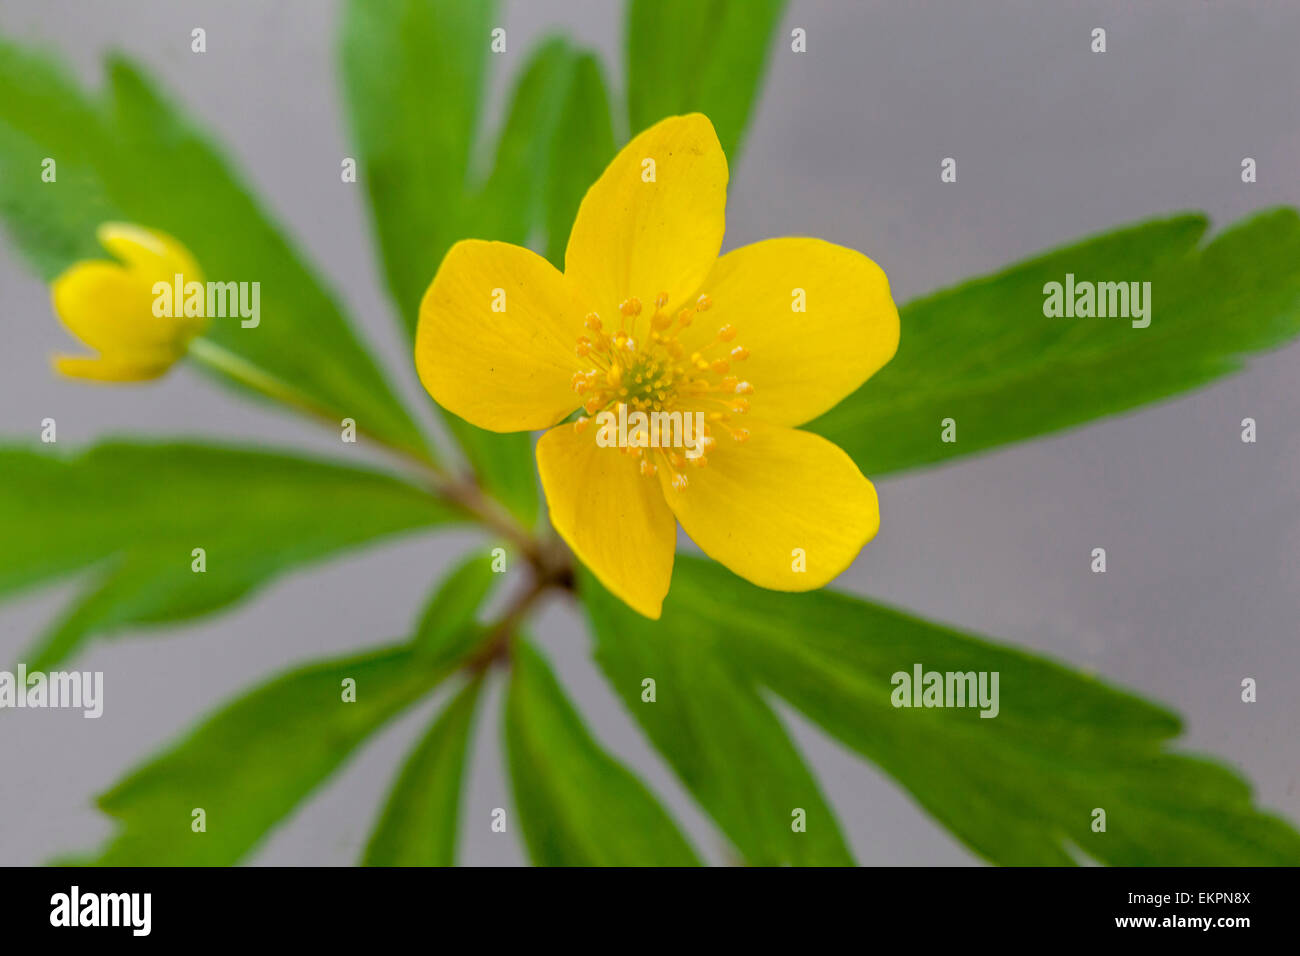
(651, 430)
(1084, 300)
(213, 300)
(922, 688)
(75, 690)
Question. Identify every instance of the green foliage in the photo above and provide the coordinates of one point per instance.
(709, 720)
(419, 823)
(250, 764)
(457, 600)
(1019, 788)
(132, 157)
(133, 513)
(413, 73)
(704, 56)
(984, 354)
(578, 806)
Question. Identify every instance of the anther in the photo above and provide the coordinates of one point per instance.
(580, 425)
(680, 482)
(592, 321)
(661, 300)
(744, 388)
(703, 303)
(740, 353)
(727, 332)
(630, 307)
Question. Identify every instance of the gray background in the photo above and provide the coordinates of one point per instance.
(1052, 142)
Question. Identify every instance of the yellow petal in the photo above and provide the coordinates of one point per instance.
(757, 506)
(614, 519)
(634, 238)
(149, 251)
(110, 308)
(110, 369)
(495, 343)
(800, 363)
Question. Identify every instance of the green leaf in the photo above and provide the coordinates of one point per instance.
(456, 601)
(419, 822)
(581, 147)
(984, 354)
(708, 56)
(413, 73)
(1018, 788)
(134, 513)
(249, 765)
(721, 738)
(578, 806)
(134, 158)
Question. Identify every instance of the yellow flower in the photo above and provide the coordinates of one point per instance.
(647, 317)
(110, 306)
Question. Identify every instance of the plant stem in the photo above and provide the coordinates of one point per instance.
(463, 494)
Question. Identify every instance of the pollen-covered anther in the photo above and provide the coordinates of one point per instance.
(744, 388)
(580, 425)
(630, 307)
(661, 300)
(727, 332)
(740, 435)
(740, 353)
(720, 366)
(680, 482)
(584, 346)
(703, 303)
(648, 468)
(740, 406)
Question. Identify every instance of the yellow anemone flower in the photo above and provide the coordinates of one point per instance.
(112, 306)
(647, 318)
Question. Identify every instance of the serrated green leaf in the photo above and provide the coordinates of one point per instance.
(1018, 788)
(721, 738)
(577, 805)
(984, 355)
(708, 56)
(133, 157)
(250, 764)
(134, 513)
(419, 822)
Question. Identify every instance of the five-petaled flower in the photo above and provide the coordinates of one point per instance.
(646, 315)
(110, 307)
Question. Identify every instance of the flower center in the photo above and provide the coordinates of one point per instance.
(646, 378)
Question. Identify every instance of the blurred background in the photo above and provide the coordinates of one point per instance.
(1052, 142)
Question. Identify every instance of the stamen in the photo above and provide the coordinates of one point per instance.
(653, 372)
